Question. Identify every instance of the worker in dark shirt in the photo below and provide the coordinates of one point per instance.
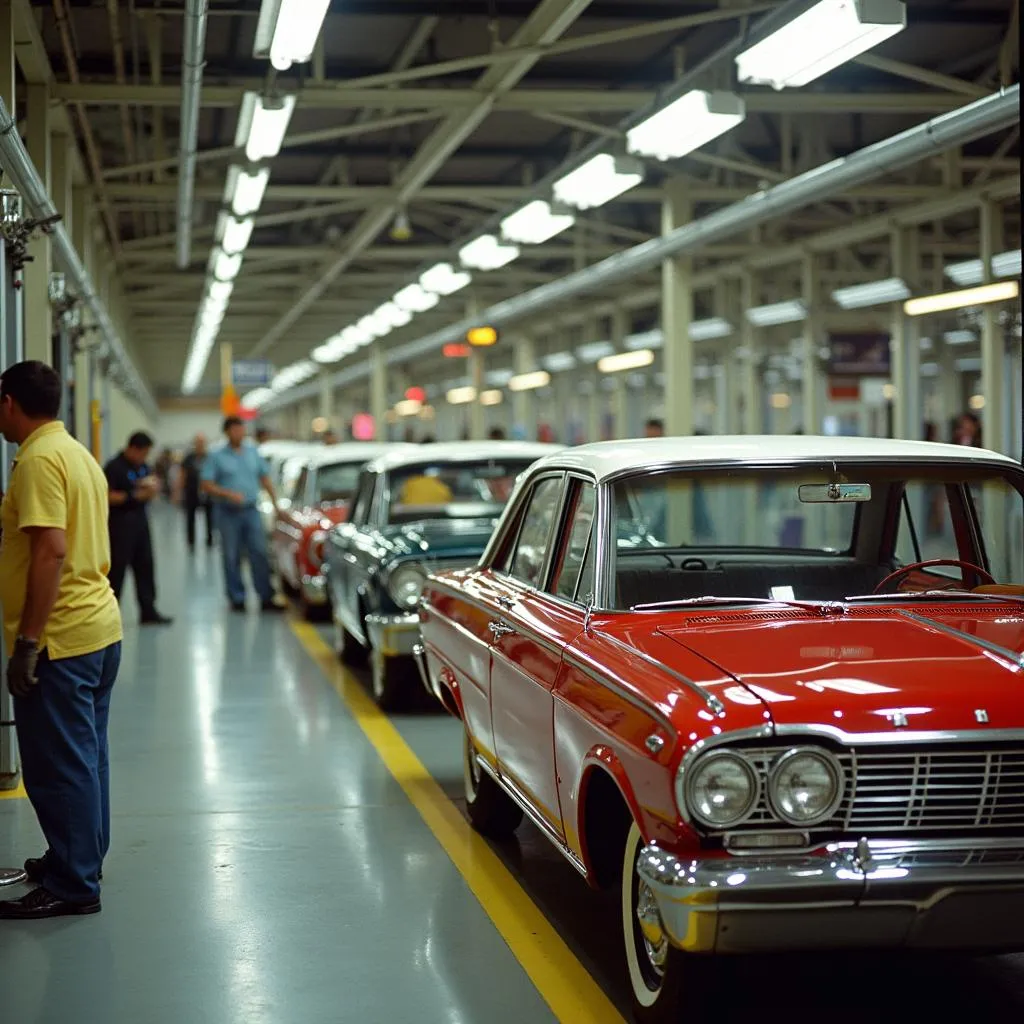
(193, 496)
(132, 487)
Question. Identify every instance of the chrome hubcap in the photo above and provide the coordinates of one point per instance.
(651, 928)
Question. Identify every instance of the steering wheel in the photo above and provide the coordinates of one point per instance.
(903, 570)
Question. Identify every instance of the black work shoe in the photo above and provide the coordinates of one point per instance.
(272, 606)
(155, 619)
(35, 868)
(238, 606)
(41, 903)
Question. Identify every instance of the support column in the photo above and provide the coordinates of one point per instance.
(477, 424)
(38, 314)
(905, 343)
(379, 390)
(620, 394)
(524, 415)
(812, 338)
(326, 396)
(676, 316)
(750, 375)
(993, 346)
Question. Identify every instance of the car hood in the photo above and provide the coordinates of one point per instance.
(439, 538)
(936, 668)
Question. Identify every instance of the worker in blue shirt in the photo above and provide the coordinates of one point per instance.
(233, 476)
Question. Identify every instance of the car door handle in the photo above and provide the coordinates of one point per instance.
(499, 629)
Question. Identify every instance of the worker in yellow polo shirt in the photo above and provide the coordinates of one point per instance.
(62, 634)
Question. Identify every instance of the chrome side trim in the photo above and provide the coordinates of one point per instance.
(1016, 660)
(714, 704)
(527, 808)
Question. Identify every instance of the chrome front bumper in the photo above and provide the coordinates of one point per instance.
(394, 636)
(955, 895)
(314, 589)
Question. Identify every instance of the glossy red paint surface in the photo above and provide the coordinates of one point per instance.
(293, 533)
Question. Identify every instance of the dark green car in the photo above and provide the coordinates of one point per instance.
(417, 510)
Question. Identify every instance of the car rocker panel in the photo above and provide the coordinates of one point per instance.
(760, 771)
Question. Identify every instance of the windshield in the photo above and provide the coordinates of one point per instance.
(460, 490)
(337, 482)
(821, 533)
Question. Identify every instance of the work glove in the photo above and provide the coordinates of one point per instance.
(21, 667)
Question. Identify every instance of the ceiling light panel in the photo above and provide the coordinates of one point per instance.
(556, 362)
(709, 329)
(969, 272)
(529, 381)
(535, 223)
(984, 294)
(825, 36)
(487, 253)
(234, 233)
(444, 279)
(246, 189)
(791, 311)
(262, 124)
(626, 361)
(690, 122)
(873, 293)
(225, 267)
(414, 298)
(598, 181)
(287, 31)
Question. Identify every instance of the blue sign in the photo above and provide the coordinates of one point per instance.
(252, 373)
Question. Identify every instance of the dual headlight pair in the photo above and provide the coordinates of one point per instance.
(804, 787)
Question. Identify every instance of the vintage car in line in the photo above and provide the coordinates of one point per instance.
(285, 459)
(772, 688)
(417, 509)
(312, 503)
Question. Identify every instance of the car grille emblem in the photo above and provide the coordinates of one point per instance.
(981, 716)
(899, 720)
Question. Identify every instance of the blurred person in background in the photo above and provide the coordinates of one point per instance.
(330, 436)
(193, 498)
(233, 476)
(496, 434)
(654, 428)
(62, 632)
(967, 430)
(133, 486)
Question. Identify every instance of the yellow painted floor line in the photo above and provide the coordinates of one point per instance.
(562, 981)
(18, 793)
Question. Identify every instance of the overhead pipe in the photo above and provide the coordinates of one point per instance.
(957, 128)
(18, 167)
(188, 139)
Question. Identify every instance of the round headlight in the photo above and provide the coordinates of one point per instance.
(806, 786)
(721, 789)
(405, 585)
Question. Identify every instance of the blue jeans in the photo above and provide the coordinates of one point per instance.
(241, 530)
(62, 736)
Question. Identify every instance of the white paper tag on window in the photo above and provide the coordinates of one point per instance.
(783, 594)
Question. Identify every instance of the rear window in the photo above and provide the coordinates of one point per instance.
(453, 490)
(338, 482)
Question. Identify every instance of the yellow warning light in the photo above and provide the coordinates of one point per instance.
(481, 337)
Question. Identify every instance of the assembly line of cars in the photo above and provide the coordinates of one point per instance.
(771, 689)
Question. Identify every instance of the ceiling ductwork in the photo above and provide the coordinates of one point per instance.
(191, 87)
(975, 120)
(23, 176)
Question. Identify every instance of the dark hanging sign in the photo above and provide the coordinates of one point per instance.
(859, 355)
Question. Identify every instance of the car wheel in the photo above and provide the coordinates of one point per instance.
(656, 967)
(388, 677)
(491, 810)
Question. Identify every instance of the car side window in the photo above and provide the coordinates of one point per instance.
(298, 492)
(361, 502)
(534, 535)
(569, 579)
(926, 527)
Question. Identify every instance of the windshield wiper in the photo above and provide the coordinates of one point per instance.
(932, 595)
(711, 599)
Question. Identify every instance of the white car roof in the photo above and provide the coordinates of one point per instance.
(356, 451)
(461, 451)
(611, 458)
(285, 447)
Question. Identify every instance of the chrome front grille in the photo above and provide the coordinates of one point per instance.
(895, 790)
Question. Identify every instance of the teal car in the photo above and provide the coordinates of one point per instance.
(416, 510)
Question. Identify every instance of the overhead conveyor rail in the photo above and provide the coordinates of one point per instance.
(21, 173)
(975, 120)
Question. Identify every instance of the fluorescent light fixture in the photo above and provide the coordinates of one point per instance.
(287, 31)
(487, 253)
(444, 279)
(969, 272)
(461, 396)
(594, 350)
(777, 313)
(646, 339)
(492, 397)
(685, 125)
(961, 337)
(828, 34)
(294, 374)
(499, 378)
(371, 329)
(969, 364)
(929, 369)
(245, 190)
(356, 335)
(262, 123)
(326, 353)
(224, 266)
(535, 223)
(708, 330)
(1001, 291)
(220, 291)
(780, 400)
(529, 381)
(408, 407)
(626, 361)
(234, 233)
(381, 324)
(558, 361)
(391, 313)
(873, 293)
(414, 298)
(257, 397)
(204, 334)
(597, 182)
